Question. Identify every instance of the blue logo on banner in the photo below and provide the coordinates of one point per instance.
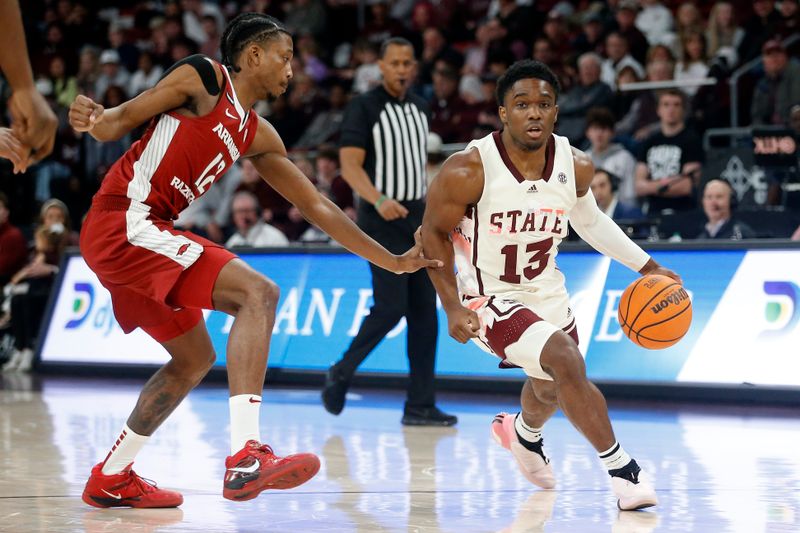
(781, 309)
(82, 304)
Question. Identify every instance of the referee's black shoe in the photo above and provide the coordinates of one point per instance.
(427, 416)
(334, 391)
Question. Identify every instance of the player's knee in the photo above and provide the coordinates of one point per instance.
(193, 368)
(265, 293)
(202, 366)
(206, 365)
(561, 358)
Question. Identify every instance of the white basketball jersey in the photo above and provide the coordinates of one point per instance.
(507, 243)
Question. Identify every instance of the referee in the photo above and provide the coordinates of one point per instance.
(383, 157)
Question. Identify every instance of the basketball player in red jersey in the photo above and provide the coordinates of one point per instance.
(161, 278)
(519, 188)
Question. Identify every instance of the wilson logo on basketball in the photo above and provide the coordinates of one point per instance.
(671, 299)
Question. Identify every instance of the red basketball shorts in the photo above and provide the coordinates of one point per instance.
(159, 278)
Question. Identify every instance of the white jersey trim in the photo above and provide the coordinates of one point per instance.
(145, 167)
(139, 229)
(243, 115)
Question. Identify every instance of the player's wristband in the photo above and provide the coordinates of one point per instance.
(379, 201)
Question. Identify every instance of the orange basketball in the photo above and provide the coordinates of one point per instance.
(655, 312)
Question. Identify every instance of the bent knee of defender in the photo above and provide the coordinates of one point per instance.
(195, 368)
(204, 366)
(263, 294)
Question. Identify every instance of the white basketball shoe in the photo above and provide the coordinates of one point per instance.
(634, 491)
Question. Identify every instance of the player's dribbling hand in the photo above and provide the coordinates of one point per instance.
(13, 150)
(392, 210)
(654, 268)
(85, 113)
(414, 259)
(463, 324)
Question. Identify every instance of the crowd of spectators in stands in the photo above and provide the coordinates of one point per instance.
(647, 143)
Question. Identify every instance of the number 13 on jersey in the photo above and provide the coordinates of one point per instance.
(536, 258)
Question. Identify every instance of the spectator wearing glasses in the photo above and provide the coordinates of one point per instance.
(251, 230)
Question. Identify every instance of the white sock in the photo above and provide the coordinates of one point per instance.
(124, 451)
(615, 457)
(525, 431)
(245, 409)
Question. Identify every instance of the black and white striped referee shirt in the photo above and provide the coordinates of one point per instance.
(394, 134)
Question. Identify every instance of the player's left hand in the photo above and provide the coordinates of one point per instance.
(463, 324)
(414, 259)
(33, 122)
(654, 268)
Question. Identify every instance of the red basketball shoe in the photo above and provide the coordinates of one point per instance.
(126, 489)
(255, 468)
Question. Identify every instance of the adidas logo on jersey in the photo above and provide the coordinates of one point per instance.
(533, 188)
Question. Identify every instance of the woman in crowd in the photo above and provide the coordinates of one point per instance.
(27, 294)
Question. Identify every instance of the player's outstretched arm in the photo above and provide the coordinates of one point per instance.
(602, 233)
(32, 120)
(172, 92)
(458, 185)
(269, 157)
(13, 47)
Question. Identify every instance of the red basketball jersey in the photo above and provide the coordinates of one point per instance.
(179, 158)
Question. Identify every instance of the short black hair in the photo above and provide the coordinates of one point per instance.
(396, 41)
(525, 69)
(601, 117)
(4, 199)
(245, 29)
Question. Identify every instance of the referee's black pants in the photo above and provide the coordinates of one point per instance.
(396, 296)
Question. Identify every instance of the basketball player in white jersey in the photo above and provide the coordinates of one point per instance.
(499, 210)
